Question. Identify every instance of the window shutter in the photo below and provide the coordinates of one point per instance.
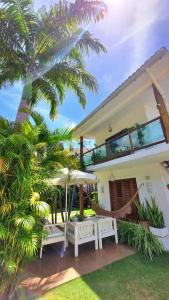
(121, 192)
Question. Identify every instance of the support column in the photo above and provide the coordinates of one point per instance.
(81, 200)
(159, 97)
(163, 111)
(81, 152)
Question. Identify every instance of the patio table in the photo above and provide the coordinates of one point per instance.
(82, 232)
(92, 229)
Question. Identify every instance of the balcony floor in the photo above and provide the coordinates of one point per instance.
(152, 154)
(56, 267)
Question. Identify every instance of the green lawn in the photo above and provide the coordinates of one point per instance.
(133, 278)
(87, 212)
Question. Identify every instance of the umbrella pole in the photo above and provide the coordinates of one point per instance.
(66, 203)
(81, 200)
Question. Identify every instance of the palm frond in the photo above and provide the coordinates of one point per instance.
(26, 222)
(10, 266)
(7, 207)
(86, 11)
(20, 13)
(61, 135)
(80, 12)
(42, 209)
(74, 77)
(80, 93)
(87, 42)
(3, 232)
(37, 118)
(28, 243)
(48, 93)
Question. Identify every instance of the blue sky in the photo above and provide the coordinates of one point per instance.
(132, 31)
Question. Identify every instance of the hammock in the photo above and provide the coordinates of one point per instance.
(119, 213)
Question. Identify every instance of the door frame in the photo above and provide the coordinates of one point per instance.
(138, 198)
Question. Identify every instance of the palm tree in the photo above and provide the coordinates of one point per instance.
(20, 204)
(50, 150)
(29, 153)
(44, 50)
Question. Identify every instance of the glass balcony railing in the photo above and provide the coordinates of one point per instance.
(142, 136)
(148, 134)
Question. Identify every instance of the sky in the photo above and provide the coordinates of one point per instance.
(131, 31)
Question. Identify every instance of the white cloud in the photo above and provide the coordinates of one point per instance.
(65, 121)
(139, 29)
(146, 13)
(131, 23)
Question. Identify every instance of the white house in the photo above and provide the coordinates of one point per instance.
(131, 130)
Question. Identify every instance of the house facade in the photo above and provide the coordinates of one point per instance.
(131, 130)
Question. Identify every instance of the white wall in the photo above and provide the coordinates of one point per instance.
(153, 176)
(141, 109)
(103, 189)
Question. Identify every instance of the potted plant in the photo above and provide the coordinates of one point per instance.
(156, 219)
(97, 156)
(142, 214)
(77, 218)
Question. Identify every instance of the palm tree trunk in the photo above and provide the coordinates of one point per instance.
(5, 294)
(23, 111)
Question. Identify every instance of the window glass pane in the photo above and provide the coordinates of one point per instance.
(100, 153)
(149, 134)
(88, 158)
(119, 146)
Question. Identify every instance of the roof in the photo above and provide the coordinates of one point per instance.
(153, 59)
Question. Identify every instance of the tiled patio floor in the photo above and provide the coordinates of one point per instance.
(55, 268)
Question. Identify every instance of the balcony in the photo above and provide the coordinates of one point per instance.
(143, 136)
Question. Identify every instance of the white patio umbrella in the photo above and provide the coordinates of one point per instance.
(65, 178)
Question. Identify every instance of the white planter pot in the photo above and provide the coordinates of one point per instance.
(161, 232)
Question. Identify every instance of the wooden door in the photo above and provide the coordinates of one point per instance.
(121, 192)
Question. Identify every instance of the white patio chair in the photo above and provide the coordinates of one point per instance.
(79, 233)
(55, 233)
(106, 227)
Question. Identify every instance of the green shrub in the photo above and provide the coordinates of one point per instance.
(29, 154)
(94, 197)
(151, 213)
(154, 214)
(140, 238)
(142, 211)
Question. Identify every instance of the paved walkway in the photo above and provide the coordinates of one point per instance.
(56, 267)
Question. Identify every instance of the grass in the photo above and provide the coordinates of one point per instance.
(87, 212)
(133, 278)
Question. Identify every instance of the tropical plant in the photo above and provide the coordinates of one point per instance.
(141, 135)
(25, 149)
(94, 196)
(140, 238)
(154, 214)
(79, 217)
(55, 197)
(142, 211)
(44, 50)
(21, 209)
(97, 156)
(50, 145)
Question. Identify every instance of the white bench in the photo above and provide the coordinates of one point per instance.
(55, 233)
(79, 233)
(106, 227)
